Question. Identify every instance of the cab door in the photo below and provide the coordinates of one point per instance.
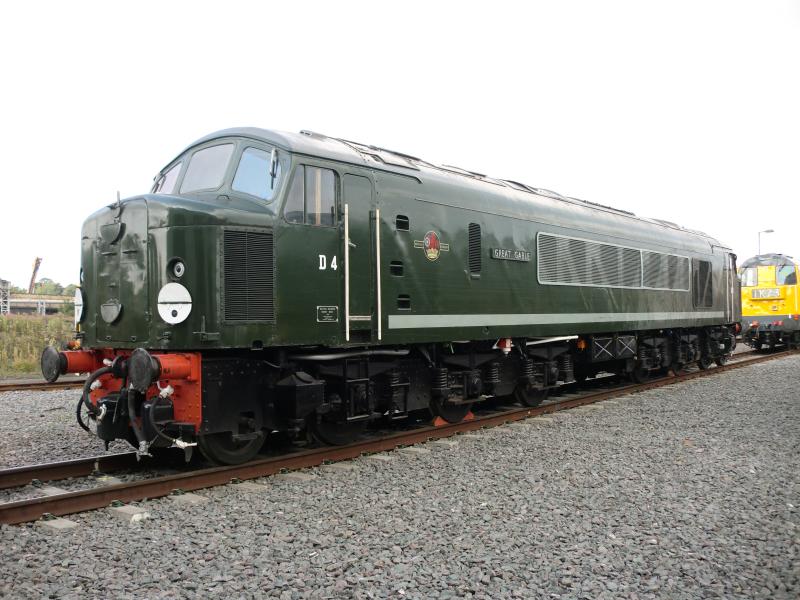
(309, 259)
(733, 294)
(360, 250)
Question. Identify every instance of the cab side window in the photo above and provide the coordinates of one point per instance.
(749, 277)
(312, 197)
(786, 275)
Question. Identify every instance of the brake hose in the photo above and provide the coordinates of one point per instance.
(78, 408)
(85, 399)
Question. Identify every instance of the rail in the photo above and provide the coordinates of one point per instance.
(32, 386)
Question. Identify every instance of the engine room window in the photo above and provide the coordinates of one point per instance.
(312, 197)
(207, 168)
(166, 183)
(252, 175)
(786, 275)
(702, 284)
(750, 277)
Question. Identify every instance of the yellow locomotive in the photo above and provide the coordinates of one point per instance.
(770, 301)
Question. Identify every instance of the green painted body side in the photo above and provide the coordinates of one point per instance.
(161, 228)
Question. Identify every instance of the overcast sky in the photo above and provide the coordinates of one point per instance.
(683, 110)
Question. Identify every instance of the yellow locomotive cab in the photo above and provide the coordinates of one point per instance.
(770, 301)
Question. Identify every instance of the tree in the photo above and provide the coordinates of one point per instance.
(48, 287)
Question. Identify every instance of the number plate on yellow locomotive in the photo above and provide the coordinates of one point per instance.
(761, 293)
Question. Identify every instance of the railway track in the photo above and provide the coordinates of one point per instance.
(88, 499)
(32, 386)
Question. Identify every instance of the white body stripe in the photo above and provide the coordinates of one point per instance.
(439, 321)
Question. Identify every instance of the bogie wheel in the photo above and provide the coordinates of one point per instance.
(704, 362)
(222, 449)
(722, 360)
(452, 413)
(794, 341)
(757, 344)
(678, 369)
(530, 396)
(335, 432)
(640, 374)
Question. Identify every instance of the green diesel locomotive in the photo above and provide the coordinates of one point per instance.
(302, 283)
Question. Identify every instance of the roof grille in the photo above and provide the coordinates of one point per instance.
(248, 271)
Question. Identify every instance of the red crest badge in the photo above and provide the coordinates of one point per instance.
(431, 245)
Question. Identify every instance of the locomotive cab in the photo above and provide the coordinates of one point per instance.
(177, 289)
(179, 294)
(770, 301)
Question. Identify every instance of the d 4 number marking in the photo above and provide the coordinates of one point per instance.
(323, 262)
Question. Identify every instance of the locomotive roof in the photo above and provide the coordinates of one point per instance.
(769, 260)
(374, 157)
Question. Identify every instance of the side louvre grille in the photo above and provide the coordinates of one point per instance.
(569, 261)
(248, 271)
(665, 271)
(474, 248)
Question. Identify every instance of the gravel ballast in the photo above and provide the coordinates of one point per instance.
(40, 427)
(685, 491)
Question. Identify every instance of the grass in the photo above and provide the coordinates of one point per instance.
(22, 339)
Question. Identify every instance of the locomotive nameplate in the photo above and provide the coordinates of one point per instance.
(506, 254)
(327, 314)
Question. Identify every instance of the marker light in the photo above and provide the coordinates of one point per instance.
(78, 305)
(178, 269)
